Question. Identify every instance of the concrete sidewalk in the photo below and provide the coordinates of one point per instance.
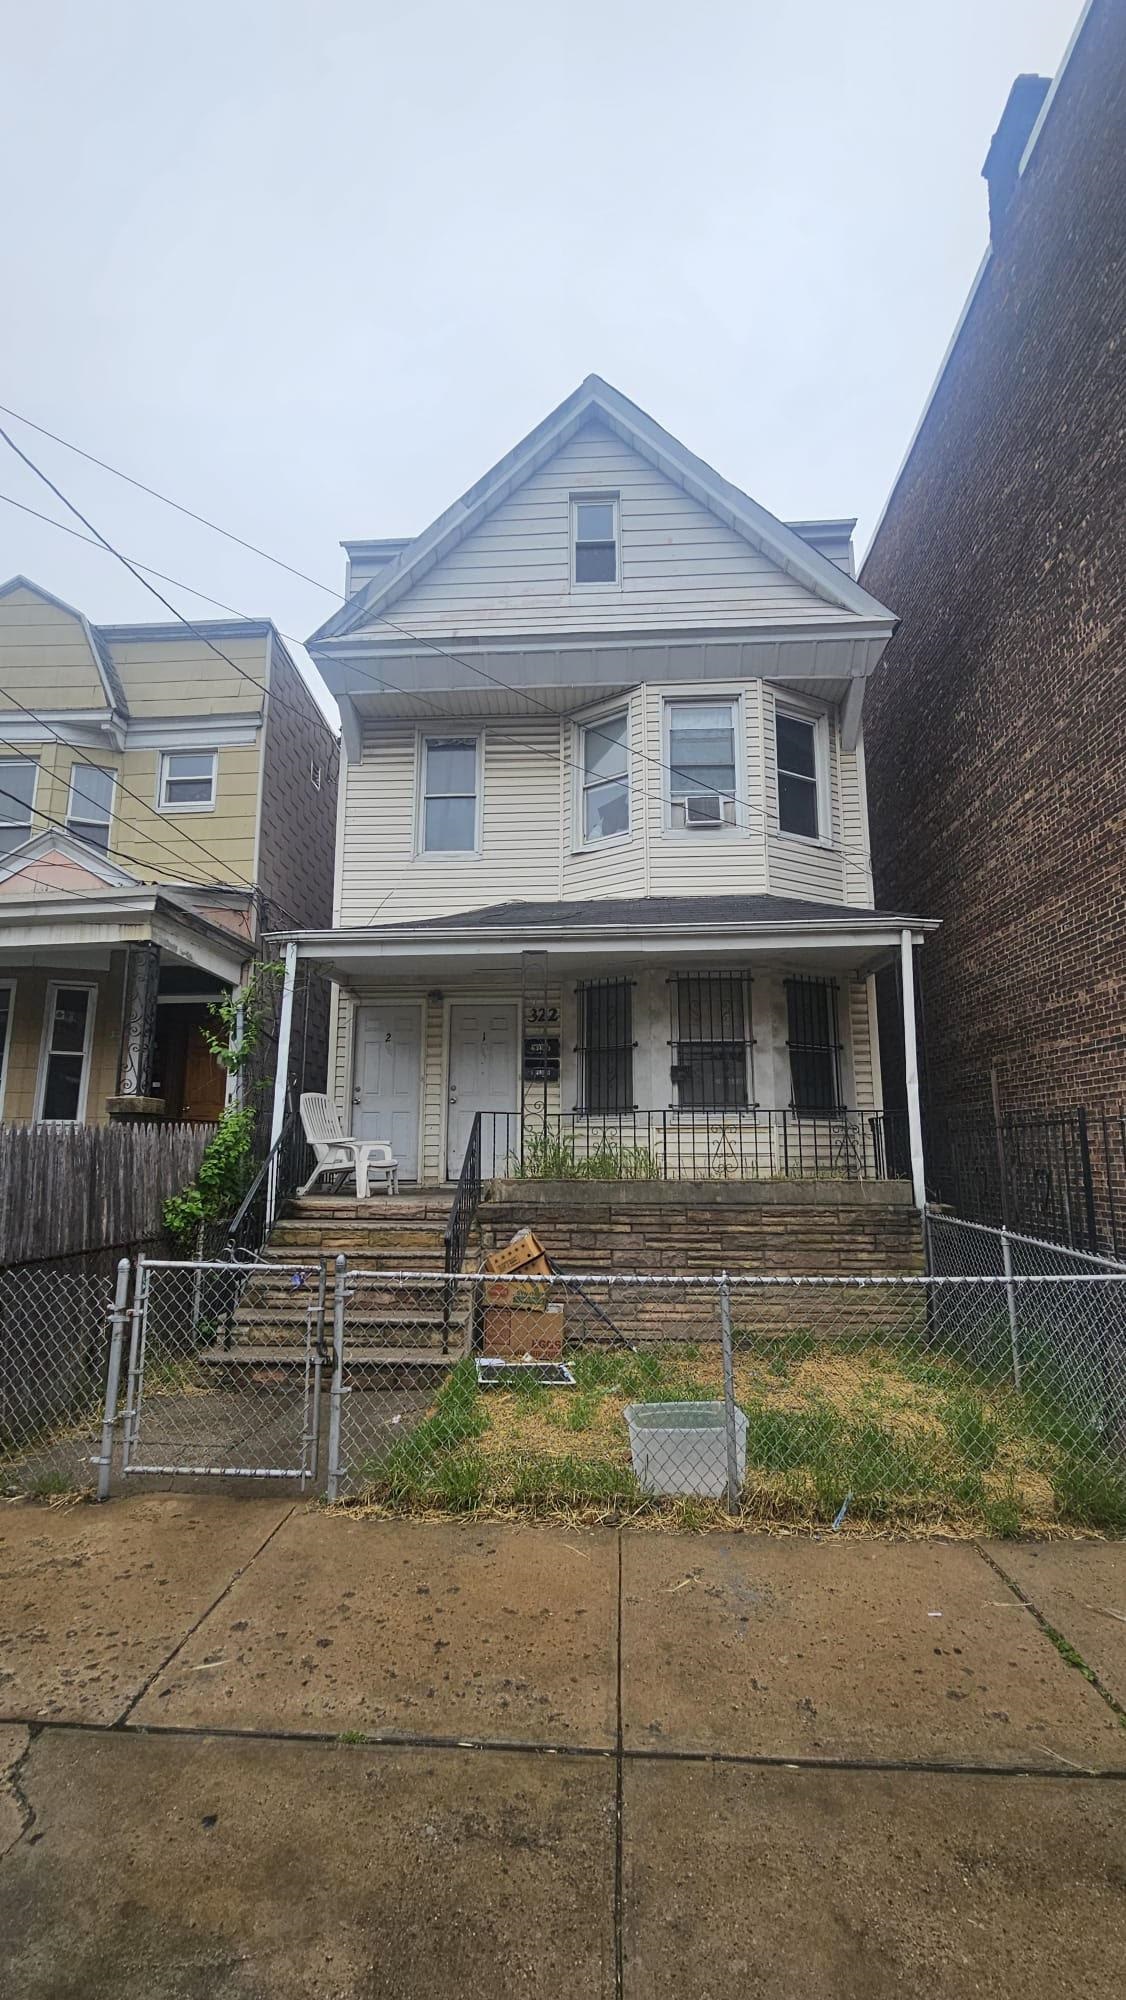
(257, 1749)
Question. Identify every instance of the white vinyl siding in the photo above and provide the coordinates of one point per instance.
(531, 847)
(653, 1087)
(679, 565)
(384, 879)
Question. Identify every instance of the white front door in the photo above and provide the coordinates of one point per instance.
(388, 1067)
(482, 1078)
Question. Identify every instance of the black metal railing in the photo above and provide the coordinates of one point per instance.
(1059, 1175)
(678, 1145)
(283, 1170)
(467, 1194)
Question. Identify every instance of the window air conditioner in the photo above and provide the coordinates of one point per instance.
(708, 809)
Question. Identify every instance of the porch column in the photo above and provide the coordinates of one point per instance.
(911, 1061)
(285, 1030)
(137, 1053)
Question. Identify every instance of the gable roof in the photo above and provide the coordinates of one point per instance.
(52, 845)
(107, 672)
(597, 400)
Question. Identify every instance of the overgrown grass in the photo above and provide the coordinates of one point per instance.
(907, 1439)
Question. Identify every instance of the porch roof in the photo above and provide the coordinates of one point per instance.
(640, 926)
(81, 929)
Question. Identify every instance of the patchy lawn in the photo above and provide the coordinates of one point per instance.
(911, 1439)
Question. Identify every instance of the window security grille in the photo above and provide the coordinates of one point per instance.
(711, 1041)
(814, 1044)
(605, 1046)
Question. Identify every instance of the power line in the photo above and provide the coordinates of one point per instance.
(167, 501)
(196, 881)
(180, 617)
(846, 851)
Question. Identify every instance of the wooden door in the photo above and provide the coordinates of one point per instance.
(205, 1081)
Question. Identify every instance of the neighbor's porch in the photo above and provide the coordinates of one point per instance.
(104, 1015)
(633, 1064)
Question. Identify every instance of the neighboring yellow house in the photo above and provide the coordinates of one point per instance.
(165, 798)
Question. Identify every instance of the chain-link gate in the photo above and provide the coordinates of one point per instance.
(226, 1363)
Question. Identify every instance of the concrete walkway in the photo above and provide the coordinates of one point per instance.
(257, 1750)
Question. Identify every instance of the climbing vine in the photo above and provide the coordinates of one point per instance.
(243, 1017)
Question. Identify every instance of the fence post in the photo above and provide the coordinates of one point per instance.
(113, 1375)
(332, 1486)
(729, 1395)
(1011, 1301)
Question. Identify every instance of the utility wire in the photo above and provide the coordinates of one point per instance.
(416, 639)
(168, 502)
(197, 881)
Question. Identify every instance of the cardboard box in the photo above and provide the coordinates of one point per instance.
(511, 1332)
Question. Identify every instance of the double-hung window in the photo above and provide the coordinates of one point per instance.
(606, 1045)
(605, 777)
(711, 1040)
(702, 763)
(187, 780)
(449, 794)
(17, 796)
(65, 1059)
(594, 538)
(795, 739)
(90, 805)
(814, 1044)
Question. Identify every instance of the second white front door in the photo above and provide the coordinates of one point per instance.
(388, 1069)
(482, 1077)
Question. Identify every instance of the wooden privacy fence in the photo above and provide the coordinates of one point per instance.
(69, 1189)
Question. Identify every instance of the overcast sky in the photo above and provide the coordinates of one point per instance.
(311, 268)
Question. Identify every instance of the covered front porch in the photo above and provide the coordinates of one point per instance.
(622, 1042)
(103, 1005)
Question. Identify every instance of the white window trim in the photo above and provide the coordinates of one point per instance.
(447, 854)
(595, 498)
(580, 844)
(54, 987)
(7, 986)
(5, 804)
(797, 710)
(176, 807)
(81, 820)
(697, 699)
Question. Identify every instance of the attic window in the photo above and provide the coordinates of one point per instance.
(594, 538)
(316, 775)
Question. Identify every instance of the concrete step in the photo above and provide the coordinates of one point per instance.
(354, 1237)
(402, 1367)
(310, 1257)
(400, 1208)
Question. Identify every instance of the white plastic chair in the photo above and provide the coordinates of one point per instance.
(336, 1153)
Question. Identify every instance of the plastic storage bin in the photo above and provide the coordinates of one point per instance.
(682, 1447)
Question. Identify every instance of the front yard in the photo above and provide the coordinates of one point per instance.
(900, 1438)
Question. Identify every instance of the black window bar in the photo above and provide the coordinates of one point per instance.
(814, 1044)
(605, 1046)
(711, 1041)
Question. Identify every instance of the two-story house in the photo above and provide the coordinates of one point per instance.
(602, 868)
(166, 795)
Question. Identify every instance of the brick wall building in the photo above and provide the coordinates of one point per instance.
(995, 727)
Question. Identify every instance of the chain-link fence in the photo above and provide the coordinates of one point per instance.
(55, 1343)
(224, 1371)
(959, 1402)
(992, 1399)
